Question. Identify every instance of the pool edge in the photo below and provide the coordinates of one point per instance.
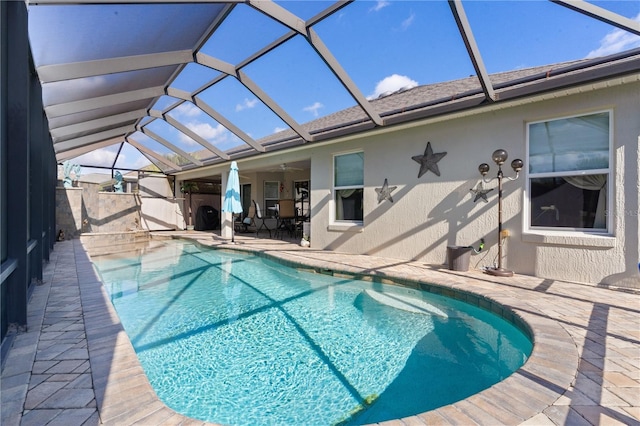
(538, 384)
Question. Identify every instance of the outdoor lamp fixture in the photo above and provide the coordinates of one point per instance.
(499, 156)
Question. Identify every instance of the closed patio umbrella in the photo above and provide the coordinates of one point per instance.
(231, 201)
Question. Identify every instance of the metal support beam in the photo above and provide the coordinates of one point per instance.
(171, 146)
(472, 48)
(59, 110)
(17, 163)
(36, 177)
(90, 139)
(601, 14)
(229, 125)
(342, 76)
(196, 137)
(147, 152)
(298, 25)
(210, 62)
(70, 153)
(273, 106)
(70, 71)
(68, 132)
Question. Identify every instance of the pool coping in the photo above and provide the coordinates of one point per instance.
(540, 382)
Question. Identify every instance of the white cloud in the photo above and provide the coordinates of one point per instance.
(187, 109)
(407, 22)
(140, 163)
(247, 104)
(392, 84)
(205, 130)
(99, 157)
(279, 129)
(313, 108)
(616, 41)
(380, 4)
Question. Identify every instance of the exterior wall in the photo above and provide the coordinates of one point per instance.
(159, 209)
(432, 212)
(69, 208)
(117, 212)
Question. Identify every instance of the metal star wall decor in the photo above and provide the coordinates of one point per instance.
(480, 192)
(428, 161)
(384, 193)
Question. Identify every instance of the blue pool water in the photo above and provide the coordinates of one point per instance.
(238, 339)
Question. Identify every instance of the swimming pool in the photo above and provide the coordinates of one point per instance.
(239, 339)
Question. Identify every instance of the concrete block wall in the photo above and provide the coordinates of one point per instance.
(69, 211)
(84, 210)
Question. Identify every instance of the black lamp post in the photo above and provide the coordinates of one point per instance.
(499, 156)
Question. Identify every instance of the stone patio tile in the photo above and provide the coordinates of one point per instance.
(52, 352)
(10, 418)
(40, 393)
(125, 404)
(82, 381)
(538, 420)
(596, 392)
(36, 379)
(598, 415)
(74, 353)
(39, 417)
(454, 416)
(175, 420)
(67, 366)
(633, 412)
(629, 395)
(619, 379)
(564, 415)
(68, 398)
(151, 414)
(477, 414)
(72, 417)
(94, 420)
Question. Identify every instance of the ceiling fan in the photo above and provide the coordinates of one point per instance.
(284, 168)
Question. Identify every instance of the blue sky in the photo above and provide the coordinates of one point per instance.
(383, 46)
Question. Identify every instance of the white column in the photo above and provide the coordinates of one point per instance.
(225, 229)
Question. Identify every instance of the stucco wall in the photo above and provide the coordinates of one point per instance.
(159, 209)
(431, 212)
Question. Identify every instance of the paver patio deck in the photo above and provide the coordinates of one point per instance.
(74, 365)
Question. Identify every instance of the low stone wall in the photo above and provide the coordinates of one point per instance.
(101, 243)
(69, 211)
(116, 212)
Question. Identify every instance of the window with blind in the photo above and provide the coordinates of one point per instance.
(569, 175)
(348, 187)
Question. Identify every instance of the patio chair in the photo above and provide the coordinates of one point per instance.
(286, 217)
(258, 215)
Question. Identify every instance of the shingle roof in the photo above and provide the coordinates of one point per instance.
(456, 95)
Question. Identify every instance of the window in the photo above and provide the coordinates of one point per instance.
(271, 197)
(348, 186)
(301, 194)
(569, 173)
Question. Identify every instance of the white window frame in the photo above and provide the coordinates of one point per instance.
(267, 213)
(344, 224)
(551, 231)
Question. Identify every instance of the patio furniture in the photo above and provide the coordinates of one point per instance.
(286, 217)
(255, 213)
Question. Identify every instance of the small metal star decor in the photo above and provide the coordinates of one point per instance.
(384, 193)
(480, 192)
(428, 161)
